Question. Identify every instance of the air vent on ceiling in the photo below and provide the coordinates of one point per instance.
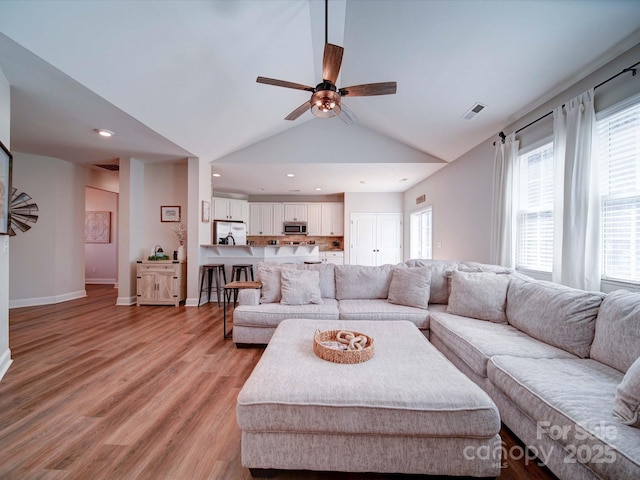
(473, 111)
(110, 166)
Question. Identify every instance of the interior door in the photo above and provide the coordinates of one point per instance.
(389, 238)
(363, 239)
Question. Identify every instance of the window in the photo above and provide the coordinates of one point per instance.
(534, 221)
(421, 233)
(618, 135)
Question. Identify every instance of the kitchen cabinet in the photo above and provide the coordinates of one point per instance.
(278, 218)
(376, 239)
(314, 218)
(295, 212)
(161, 283)
(261, 219)
(337, 257)
(230, 209)
(332, 219)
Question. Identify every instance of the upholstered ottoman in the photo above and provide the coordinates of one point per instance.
(406, 410)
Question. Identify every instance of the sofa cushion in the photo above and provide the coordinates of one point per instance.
(269, 274)
(617, 338)
(381, 309)
(410, 287)
(440, 277)
(561, 316)
(300, 287)
(327, 277)
(359, 281)
(479, 295)
(269, 315)
(484, 267)
(476, 341)
(571, 401)
(626, 407)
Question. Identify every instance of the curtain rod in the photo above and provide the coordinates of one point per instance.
(631, 69)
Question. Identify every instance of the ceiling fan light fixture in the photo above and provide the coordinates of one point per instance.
(325, 104)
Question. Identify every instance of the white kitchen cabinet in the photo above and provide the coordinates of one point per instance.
(332, 219)
(295, 212)
(230, 209)
(376, 238)
(278, 218)
(335, 257)
(261, 219)
(314, 218)
(161, 283)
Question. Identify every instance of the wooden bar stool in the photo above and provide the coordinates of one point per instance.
(236, 272)
(220, 278)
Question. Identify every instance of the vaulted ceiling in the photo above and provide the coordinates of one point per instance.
(178, 78)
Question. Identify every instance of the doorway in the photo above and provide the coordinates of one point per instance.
(101, 237)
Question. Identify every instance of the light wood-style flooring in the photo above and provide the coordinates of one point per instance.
(98, 391)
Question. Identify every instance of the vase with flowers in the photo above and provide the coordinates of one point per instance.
(180, 232)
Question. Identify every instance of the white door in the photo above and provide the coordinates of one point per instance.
(376, 238)
(389, 241)
(363, 239)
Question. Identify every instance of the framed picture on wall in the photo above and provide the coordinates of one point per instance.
(6, 165)
(170, 214)
(97, 227)
(206, 211)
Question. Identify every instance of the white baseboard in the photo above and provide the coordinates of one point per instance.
(100, 281)
(32, 302)
(5, 362)
(126, 301)
(191, 302)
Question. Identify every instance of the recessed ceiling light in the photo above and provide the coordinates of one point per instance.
(318, 189)
(402, 180)
(290, 175)
(216, 174)
(104, 132)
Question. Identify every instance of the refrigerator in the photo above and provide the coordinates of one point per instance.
(229, 233)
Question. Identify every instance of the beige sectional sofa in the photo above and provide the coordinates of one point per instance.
(562, 365)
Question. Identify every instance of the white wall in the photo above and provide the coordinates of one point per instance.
(101, 259)
(164, 184)
(5, 137)
(47, 261)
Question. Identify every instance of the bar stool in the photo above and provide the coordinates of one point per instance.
(236, 271)
(208, 271)
(240, 268)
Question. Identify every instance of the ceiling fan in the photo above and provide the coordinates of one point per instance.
(326, 98)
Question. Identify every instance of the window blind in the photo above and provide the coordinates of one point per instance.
(618, 136)
(534, 221)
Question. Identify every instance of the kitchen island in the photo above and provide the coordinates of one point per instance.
(252, 254)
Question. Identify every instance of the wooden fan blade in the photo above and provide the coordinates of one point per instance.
(284, 83)
(299, 111)
(331, 62)
(346, 115)
(369, 89)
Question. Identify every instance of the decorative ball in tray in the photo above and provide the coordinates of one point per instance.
(343, 346)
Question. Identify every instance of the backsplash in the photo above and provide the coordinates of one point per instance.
(325, 243)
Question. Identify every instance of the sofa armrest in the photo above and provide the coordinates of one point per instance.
(249, 296)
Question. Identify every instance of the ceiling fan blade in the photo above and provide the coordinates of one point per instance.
(346, 115)
(284, 83)
(331, 62)
(299, 111)
(369, 89)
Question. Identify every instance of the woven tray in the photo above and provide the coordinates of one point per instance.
(340, 356)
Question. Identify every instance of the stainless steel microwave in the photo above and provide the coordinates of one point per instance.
(294, 228)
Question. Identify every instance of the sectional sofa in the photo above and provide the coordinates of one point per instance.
(562, 365)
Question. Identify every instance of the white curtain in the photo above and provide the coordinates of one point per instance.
(576, 259)
(504, 167)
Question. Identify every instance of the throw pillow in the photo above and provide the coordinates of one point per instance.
(327, 277)
(626, 406)
(410, 287)
(300, 287)
(479, 295)
(269, 275)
